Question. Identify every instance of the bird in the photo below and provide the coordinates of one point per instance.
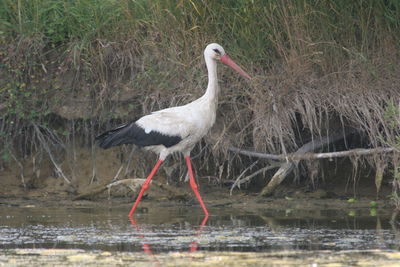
(175, 129)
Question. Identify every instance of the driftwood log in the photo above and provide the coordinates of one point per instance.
(133, 184)
(304, 153)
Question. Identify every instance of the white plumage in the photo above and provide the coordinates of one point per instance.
(175, 129)
(190, 122)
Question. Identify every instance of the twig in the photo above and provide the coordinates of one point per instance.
(130, 157)
(118, 172)
(46, 147)
(238, 181)
(21, 167)
(93, 153)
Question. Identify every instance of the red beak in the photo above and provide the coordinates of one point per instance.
(228, 61)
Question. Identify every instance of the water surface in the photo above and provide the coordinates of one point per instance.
(177, 229)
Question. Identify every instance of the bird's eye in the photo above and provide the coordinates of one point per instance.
(217, 51)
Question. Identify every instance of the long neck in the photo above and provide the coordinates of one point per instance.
(211, 93)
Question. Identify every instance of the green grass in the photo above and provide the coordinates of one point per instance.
(268, 30)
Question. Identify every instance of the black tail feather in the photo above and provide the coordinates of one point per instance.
(133, 134)
(114, 137)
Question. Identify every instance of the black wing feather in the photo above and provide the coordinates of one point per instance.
(134, 134)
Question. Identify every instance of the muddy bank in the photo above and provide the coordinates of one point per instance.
(295, 200)
(337, 190)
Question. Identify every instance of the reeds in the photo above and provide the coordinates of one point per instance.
(318, 66)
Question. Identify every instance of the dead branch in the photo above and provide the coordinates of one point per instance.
(136, 184)
(308, 156)
(256, 154)
(278, 177)
(302, 154)
(291, 163)
(133, 184)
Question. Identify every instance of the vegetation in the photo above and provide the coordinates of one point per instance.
(70, 69)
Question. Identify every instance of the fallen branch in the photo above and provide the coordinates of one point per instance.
(303, 154)
(278, 177)
(287, 168)
(255, 154)
(308, 156)
(134, 184)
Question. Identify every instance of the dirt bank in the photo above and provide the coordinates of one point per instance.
(336, 190)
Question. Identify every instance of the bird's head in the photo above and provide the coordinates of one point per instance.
(217, 52)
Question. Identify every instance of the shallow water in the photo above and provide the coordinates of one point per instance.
(177, 229)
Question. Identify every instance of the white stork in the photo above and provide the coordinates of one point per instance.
(175, 129)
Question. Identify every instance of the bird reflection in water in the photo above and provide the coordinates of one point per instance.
(146, 247)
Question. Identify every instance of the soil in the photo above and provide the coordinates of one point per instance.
(50, 191)
(43, 188)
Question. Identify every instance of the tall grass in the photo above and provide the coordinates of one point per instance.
(74, 66)
(322, 33)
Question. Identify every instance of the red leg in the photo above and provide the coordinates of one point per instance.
(194, 185)
(145, 186)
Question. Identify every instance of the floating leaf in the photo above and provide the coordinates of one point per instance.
(352, 200)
